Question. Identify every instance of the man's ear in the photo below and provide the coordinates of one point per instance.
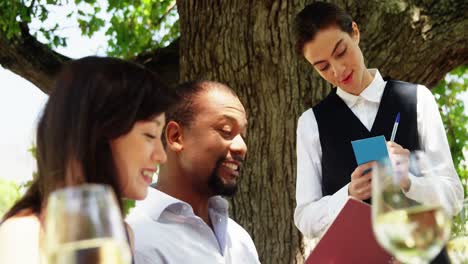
(174, 138)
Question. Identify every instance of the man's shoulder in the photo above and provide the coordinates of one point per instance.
(148, 232)
(139, 218)
(238, 231)
(151, 207)
(233, 224)
(244, 241)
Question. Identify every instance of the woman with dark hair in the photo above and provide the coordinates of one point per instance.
(361, 105)
(102, 124)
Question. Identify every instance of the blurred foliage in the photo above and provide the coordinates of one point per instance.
(452, 109)
(131, 26)
(11, 192)
(448, 95)
(460, 222)
(32, 150)
(128, 205)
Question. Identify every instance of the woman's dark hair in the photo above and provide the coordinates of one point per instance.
(93, 100)
(318, 16)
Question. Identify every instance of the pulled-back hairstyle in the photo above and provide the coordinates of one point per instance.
(318, 16)
(93, 101)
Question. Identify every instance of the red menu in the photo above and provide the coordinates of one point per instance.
(350, 239)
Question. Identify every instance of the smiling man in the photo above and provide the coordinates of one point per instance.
(185, 219)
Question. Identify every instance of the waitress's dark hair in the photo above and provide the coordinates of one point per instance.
(93, 100)
(318, 16)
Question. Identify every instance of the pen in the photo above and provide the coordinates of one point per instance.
(395, 127)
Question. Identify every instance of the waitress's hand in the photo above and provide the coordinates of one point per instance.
(360, 185)
(399, 157)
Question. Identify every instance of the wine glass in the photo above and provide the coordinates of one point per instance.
(83, 224)
(412, 230)
(457, 247)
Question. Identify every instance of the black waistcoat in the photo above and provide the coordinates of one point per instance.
(338, 126)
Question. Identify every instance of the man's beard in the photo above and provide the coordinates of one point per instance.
(216, 184)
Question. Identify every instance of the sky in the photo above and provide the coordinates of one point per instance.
(21, 102)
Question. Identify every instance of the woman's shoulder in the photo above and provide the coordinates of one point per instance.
(19, 239)
(19, 228)
(23, 221)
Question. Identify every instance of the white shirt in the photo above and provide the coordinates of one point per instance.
(167, 231)
(314, 212)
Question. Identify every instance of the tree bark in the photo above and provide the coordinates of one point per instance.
(249, 45)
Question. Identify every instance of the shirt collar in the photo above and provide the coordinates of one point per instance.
(157, 202)
(372, 93)
(219, 204)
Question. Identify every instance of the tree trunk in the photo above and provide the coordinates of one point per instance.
(249, 45)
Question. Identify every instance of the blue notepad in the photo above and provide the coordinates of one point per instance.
(370, 149)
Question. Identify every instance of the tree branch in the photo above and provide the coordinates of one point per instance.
(163, 16)
(37, 63)
(164, 62)
(30, 59)
(417, 41)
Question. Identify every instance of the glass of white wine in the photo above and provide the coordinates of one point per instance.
(457, 247)
(83, 224)
(412, 230)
